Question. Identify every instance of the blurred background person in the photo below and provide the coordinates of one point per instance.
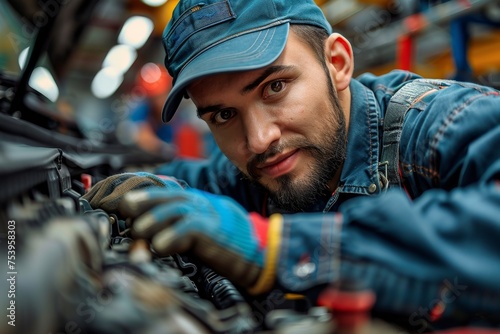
(152, 87)
(153, 84)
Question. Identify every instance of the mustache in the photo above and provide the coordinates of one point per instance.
(272, 151)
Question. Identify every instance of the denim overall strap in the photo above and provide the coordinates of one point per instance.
(398, 106)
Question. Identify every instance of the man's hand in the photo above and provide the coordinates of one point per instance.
(108, 193)
(215, 229)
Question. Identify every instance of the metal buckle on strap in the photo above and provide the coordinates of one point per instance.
(384, 181)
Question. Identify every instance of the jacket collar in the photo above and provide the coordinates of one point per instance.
(360, 171)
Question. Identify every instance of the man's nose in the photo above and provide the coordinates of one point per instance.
(261, 130)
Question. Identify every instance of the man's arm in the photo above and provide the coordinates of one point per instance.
(216, 175)
(441, 247)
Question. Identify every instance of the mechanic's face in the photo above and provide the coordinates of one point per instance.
(282, 125)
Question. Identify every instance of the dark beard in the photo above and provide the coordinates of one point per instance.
(295, 197)
(328, 159)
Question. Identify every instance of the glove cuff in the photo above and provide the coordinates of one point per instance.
(268, 273)
(261, 229)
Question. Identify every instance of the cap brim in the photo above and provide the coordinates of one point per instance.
(245, 52)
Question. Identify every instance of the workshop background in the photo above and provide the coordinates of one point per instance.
(89, 69)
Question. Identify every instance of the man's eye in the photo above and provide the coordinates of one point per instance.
(222, 116)
(274, 88)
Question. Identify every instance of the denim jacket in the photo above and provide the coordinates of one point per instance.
(432, 245)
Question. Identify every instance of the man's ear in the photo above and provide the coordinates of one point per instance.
(340, 60)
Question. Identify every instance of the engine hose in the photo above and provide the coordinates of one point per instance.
(219, 289)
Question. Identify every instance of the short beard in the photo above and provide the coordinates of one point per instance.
(328, 159)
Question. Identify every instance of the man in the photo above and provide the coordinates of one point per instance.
(154, 84)
(306, 152)
(150, 133)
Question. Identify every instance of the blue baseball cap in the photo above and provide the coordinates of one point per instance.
(206, 37)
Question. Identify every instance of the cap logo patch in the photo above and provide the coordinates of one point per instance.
(197, 18)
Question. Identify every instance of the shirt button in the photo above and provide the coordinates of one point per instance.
(304, 269)
(372, 188)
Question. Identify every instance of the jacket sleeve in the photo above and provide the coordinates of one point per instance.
(441, 249)
(216, 175)
(438, 247)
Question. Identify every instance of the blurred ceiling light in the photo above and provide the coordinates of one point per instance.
(121, 57)
(150, 73)
(106, 82)
(136, 31)
(42, 81)
(154, 3)
(22, 57)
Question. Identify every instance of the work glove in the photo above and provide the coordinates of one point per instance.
(108, 193)
(215, 229)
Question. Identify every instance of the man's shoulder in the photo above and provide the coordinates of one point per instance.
(387, 83)
(383, 87)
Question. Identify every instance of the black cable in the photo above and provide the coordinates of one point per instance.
(218, 289)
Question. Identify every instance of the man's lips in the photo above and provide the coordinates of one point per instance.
(279, 165)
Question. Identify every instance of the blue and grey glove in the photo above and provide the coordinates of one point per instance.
(213, 228)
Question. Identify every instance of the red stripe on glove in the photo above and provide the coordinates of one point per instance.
(261, 227)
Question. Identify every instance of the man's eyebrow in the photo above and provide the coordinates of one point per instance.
(204, 110)
(248, 88)
(268, 71)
